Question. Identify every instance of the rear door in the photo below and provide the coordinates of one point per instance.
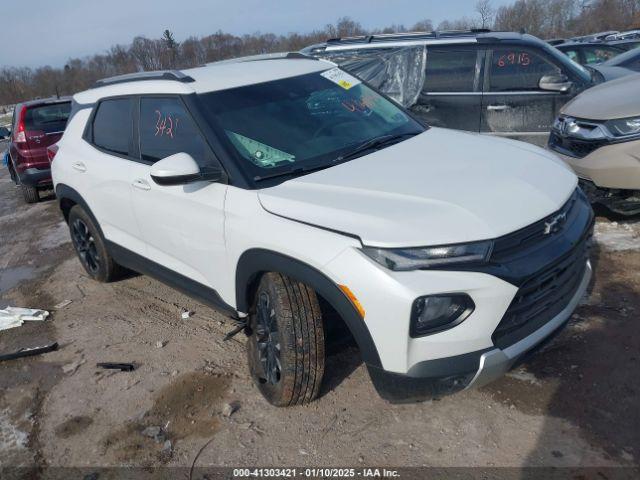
(452, 92)
(182, 225)
(101, 171)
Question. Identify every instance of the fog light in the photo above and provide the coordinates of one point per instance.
(436, 313)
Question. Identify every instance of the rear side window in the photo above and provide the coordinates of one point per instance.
(450, 71)
(47, 118)
(514, 69)
(167, 128)
(112, 126)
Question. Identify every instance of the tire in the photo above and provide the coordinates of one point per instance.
(12, 174)
(286, 347)
(30, 194)
(90, 247)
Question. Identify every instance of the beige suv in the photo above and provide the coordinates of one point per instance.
(598, 134)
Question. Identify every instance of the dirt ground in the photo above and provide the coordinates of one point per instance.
(574, 404)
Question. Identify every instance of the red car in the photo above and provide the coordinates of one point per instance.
(36, 125)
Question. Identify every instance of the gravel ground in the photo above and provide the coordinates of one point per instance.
(574, 404)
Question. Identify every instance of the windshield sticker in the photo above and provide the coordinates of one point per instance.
(262, 155)
(341, 78)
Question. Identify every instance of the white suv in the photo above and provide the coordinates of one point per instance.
(291, 195)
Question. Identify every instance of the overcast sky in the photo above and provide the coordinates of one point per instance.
(53, 31)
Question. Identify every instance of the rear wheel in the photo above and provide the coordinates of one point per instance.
(30, 193)
(90, 246)
(286, 347)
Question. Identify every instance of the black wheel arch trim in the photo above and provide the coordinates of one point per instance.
(256, 261)
(65, 192)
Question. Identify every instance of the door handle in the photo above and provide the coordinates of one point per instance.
(79, 166)
(497, 108)
(141, 184)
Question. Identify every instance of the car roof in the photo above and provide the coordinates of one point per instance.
(43, 101)
(209, 78)
(419, 38)
(585, 44)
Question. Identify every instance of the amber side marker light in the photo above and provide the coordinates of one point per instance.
(354, 300)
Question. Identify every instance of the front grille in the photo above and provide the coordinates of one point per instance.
(514, 243)
(546, 261)
(573, 146)
(542, 297)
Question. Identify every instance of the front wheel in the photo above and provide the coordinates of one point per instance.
(286, 347)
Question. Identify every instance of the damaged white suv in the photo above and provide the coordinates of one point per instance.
(291, 195)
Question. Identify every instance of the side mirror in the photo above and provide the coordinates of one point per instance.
(180, 169)
(555, 83)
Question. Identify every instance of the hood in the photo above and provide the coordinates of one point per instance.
(615, 99)
(438, 187)
(611, 72)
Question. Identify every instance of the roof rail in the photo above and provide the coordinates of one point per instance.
(382, 37)
(266, 56)
(175, 75)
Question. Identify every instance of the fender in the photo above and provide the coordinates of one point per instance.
(256, 261)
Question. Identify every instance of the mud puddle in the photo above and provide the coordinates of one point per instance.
(188, 407)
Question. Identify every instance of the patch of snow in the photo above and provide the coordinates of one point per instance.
(617, 237)
(524, 376)
(11, 438)
(55, 237)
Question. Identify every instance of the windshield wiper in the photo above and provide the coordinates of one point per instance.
(375, 143)
(293, 171)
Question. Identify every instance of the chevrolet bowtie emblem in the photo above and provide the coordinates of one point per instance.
(554, 225)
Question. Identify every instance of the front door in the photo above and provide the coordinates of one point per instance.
(182, 225)
(452, 92)
(513, 105)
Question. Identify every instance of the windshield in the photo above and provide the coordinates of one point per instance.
(304, 122)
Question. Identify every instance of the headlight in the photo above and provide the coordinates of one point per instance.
(429, 257)
(624, 127)
(571, 127)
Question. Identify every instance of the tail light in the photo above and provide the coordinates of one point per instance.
(51, 152)
(20, 136)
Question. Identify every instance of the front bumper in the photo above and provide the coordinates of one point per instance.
(496, 362)
(612, 165)
(435, 378)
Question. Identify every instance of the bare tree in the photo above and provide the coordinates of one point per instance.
(486, 12)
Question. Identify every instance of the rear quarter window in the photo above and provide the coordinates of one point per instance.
(112, 126)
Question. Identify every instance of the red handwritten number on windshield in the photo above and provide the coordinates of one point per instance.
(165, 125)
(513, 58)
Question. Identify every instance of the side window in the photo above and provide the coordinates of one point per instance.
(450, 70)
(167, 128)
(572, 54)
(514, 69)
(112, 126)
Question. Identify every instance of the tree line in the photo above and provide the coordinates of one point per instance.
(543, 18)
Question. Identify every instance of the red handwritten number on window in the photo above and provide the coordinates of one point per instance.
(514, 58)
(165, 125)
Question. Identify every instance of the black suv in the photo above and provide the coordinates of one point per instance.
(501, 83)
